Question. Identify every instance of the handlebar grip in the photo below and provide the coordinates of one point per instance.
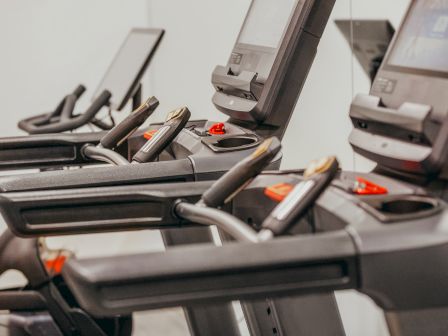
(78, 92)
(123, 130)
(174, 123)
(34, 125)
(59, 120)
(101, 124)
(237, 178)
(68, 107)
(31, 125)
(318, 177)
(64, 109)
(102, 100)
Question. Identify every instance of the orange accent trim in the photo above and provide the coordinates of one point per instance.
(149, 134)
(278, 192)
(365, 187)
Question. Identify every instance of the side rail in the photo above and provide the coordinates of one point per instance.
(91, 210)
(202, 274)
(49, 150)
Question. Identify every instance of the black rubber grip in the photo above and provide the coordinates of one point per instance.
(163, 137)
(289, 212)
(103, 125)
(123, 130)
(102, 100)
(63, 111)
(34, 125)
(78, 92)
(237, 177)
(68, 108)
(47, 118)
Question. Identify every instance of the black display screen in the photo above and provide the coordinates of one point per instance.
(266, 22)
(422, 43)
(127, 64)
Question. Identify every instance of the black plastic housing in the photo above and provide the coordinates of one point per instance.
(120, 285)
(52, 150)
(74, 211)
(271, 101)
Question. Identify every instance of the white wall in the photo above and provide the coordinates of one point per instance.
(49, 46)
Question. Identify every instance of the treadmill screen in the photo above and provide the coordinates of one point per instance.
(266, 22)
(127, 65)
(423, 41)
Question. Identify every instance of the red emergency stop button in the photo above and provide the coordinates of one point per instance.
(54, 266)
(149, 134)
(365, 187)
(217, 129)
(278, 192)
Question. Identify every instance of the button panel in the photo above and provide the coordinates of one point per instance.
(236, 58)
(384, 85)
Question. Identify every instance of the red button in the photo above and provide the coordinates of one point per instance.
(149, 134)
(217, 129)
(278, 192)
(54, 266)
(365, 187)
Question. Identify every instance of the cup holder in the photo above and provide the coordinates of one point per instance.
(399, 208)
(235, 142)
(232, 143)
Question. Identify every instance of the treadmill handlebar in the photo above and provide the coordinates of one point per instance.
(44, 124)
(224, 189)
(197, 213)
(68, 108)
(318, 177)
(175, 122)
(130, 124)
(79, 91)
(101, 154)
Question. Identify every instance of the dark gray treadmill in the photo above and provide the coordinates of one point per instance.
(389, 245)
(359, 243)
(193, 275)
(259, 96)
(257, 88)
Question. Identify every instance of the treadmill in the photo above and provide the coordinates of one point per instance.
(121, 83)
(383, 233)
(257, 89)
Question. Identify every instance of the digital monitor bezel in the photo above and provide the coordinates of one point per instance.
(263, 48)
(120, 104)
(410, 70)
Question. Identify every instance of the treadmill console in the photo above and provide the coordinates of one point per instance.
(368, 40)
(129, 65)
(403, 123)
(270, 60)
